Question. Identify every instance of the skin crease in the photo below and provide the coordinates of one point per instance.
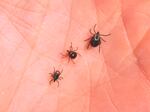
(34, 33)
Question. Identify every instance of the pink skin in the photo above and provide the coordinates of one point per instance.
(32, 35)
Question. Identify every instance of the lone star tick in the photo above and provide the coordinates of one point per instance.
(95, 39)
(71, 54)
(55, 76)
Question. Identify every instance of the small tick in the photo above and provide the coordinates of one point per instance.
(71, 54)
(55, 76)
(95, 39)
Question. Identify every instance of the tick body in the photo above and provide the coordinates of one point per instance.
(95, 39)
(71, 54)
(55, 76)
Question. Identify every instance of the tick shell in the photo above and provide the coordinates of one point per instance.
(95, 40)
(72, 54)
(56, 75)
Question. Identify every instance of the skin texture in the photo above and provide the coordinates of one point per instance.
(33, 33)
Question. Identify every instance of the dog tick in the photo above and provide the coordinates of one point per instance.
(71, 54)
(55, 76)
(95, 39)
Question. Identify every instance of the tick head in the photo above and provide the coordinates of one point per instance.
(96, 37)
(57, 73)
(97, 33)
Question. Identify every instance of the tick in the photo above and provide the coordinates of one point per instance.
(95, 39)
(71, 54)
(55, 76)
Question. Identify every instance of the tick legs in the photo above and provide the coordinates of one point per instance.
(88, 45)
(76, 49)
(54, 69)
(87, 39)
(61, 71)
(56, 81)
(91, 32)
(51, 73)
(73, 62)
(99, 48)
(103, 39)
(60, 78)
(105, 35)
(94, 28)
(50, 81)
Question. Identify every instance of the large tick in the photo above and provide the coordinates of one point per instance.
(71, 54)
(55, 76)
(95, 39)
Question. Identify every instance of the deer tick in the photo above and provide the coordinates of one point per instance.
(55, 76)
(71, 54)
(95, 39)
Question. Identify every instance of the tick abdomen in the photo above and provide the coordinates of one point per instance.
(95, 41)
(72, 54)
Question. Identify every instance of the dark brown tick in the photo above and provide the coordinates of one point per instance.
(71, 54)
(95, 39)
(55, 76)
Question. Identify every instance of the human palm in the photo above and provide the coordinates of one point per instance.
(34, 33)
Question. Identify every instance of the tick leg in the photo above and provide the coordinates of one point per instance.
(60, 78)
(88, 45)
(76, 49)
(71, 46)
(91, 32)
(54, 69)
(51, 73)
(87, 39)
(50, 81)
(61, 71)
(103, 39)
(94, 28)
(99, 48)
(73, 62)
(68, 60)
(105, 35)
(79, 54)
(63, 55)
(58, 83)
